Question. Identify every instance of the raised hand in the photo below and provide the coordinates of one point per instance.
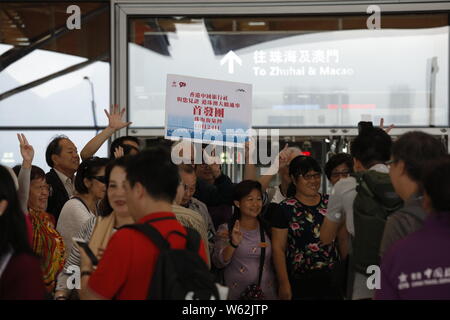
(280, 160)
(388, 129)
(26, 150)
(115, 118)
(236, 234)
(118, 153)
(250, 149)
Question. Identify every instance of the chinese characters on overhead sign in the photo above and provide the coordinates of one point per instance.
(291, 62)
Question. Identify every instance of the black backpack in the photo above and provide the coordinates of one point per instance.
(179, 274)
(375, 201)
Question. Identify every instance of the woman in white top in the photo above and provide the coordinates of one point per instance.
(90, 189)
(113, 213)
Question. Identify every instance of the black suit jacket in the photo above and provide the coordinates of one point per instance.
(59, 195)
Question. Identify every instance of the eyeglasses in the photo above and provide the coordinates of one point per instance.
(309, 177)
(101, 179)
(44, 187)
(343, 174)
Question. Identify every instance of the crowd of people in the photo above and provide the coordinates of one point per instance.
(138, 212)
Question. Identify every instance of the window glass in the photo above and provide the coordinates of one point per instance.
(62, 79)
(66, 100)
(10, 150)
(305, 71)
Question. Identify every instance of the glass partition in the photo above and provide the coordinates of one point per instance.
(307, 71)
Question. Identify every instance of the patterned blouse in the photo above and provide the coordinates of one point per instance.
(48, 245)
(304, 251)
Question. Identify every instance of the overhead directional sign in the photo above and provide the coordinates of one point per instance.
(231, 58)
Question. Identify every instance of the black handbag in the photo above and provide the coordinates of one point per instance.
(254, 291)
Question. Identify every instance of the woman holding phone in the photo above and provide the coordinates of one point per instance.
(97, 231)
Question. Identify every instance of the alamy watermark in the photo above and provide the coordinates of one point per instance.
(374, 280)
(74, 280)
(74, 20)
(242, 147)
(374, 21)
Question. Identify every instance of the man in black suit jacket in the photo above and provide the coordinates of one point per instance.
(62, 156)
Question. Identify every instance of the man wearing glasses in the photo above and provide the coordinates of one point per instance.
(189, 180)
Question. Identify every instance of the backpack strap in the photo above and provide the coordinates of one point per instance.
(159, 219)
(262, 256)
(362, 184)
(84, 204)
(192, 237)
(152, 233)
(192, 240)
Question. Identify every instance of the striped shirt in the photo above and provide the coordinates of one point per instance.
(74, 258)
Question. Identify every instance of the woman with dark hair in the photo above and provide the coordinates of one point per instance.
(20, 274)
(97, 231)
(238, 245)
(417, 267)
(90, 189)
(34, 191)
(339, 166)
(47, 243)
(302, 263)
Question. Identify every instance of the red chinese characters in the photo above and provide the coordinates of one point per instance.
(197, 110)
(218, 113)
(209, 111)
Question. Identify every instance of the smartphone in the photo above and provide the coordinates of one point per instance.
(364, 125)
(84, 245)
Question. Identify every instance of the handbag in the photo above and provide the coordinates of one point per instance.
(254, 291)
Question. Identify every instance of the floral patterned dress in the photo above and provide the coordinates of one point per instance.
(304, 251)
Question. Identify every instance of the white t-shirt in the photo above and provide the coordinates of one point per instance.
(340, 207)
(73, 216)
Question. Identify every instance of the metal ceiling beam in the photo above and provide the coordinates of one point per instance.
(16, 53)
(52, 76)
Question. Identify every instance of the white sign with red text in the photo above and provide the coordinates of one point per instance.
(207, 110)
